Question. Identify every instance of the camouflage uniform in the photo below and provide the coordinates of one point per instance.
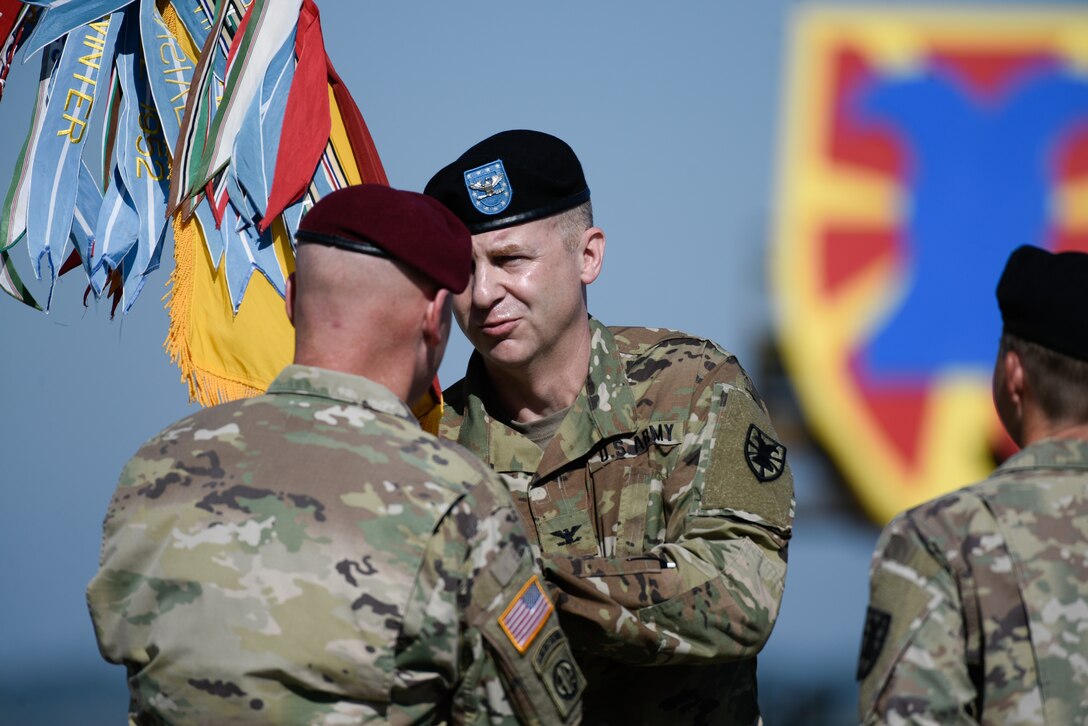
(312, 557)
(979, 604)
(662, 509)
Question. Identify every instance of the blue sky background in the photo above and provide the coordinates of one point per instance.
(673, 109)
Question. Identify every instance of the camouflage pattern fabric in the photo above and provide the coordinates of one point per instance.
(662, 509)
(979, 600)
(311, 556)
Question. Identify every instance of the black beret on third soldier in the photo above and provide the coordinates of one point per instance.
(406, 226)
(1044, 299)
(511, 178)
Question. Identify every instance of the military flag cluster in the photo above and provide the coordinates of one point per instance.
(220, 122)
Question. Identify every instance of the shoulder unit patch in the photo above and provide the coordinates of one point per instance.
(526, 614)
(765, 456)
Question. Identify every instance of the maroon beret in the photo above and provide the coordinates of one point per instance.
(406, 226)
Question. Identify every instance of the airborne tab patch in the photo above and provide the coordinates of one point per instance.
(526, 615)
(556, 668)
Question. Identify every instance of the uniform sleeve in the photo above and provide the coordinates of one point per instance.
(912, 667)
(711, 591)
(508, 662)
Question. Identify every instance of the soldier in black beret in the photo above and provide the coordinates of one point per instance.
(976, 610)
(1044, 347)
(642, 460)
(479, 191)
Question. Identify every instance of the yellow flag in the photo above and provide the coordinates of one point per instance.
(223, 356)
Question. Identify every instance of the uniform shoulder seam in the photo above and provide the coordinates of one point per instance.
(654, 338)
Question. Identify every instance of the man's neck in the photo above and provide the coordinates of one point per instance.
(397, 379)
(1036, 426)
(1050, 430)
(543, 387)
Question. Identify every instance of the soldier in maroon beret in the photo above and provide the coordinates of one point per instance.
(311, 555)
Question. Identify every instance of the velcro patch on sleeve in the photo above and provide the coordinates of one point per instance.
(556, 667)
(526, 615)
(745, 467)
(872, 640)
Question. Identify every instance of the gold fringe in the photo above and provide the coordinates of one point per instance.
(205, 387)
(179, 300)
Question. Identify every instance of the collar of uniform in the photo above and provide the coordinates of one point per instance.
(604, 409)
(1050, 453)
(489, 439)
(340, 387)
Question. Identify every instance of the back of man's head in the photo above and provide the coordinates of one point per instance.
(370, 294)
(1044, 300)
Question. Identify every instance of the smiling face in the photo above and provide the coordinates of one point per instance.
(525, 300)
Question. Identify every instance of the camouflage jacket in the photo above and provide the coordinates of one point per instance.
(979, 600)
(311, 556)
(662, 510)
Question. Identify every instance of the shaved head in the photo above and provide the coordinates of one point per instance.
(367, 315)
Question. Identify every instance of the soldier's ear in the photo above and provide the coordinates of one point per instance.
(1014, 376)
(1009, 394)
(289, 298)
(436, 318)
(591, 248)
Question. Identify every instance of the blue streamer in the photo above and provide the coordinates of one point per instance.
(85, 216)
(143, 159)
(88, 54)
(62, 17)
(169, 71)
(116, 232)
(13, 222)
(246, 252)
(197, 16)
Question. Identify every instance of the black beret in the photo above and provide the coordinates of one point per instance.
(511, 178)
(407, 226)
(1044, 299)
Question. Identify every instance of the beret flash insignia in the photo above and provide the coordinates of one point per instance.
(488, 187)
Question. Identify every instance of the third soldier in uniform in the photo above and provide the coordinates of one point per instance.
(979, 599)
(642, 460)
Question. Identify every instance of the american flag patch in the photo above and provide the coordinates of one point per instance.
(526, 615)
